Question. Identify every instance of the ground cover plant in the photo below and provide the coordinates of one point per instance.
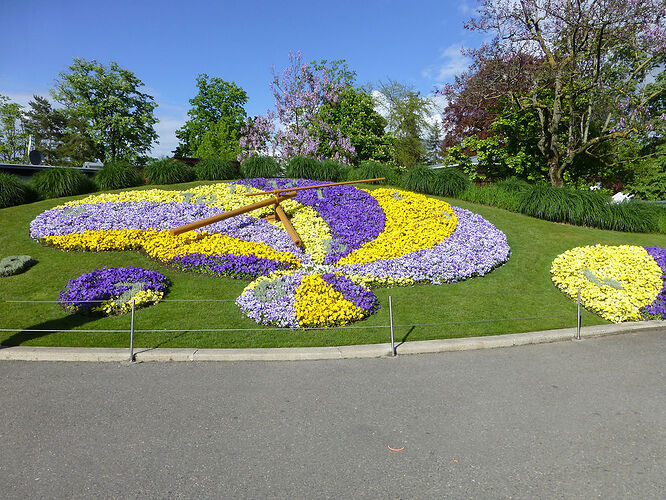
(518, 296)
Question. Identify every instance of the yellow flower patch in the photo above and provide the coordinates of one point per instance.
(318, 304)
(413, 222)
(162, 246)
(614, 281)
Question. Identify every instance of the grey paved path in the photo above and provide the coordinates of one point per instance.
(564, 420)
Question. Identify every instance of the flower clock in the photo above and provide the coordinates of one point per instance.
(113, 290)
(353, 240)
(620, 283)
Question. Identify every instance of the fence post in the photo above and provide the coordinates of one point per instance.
(132, 358)
(578, 317)
(393, 353)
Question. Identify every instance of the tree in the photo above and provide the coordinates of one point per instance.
(47, 125)
(106, 102)
(592, 61)
(353, 114)
(218, 112)
(407, 114)
(299, 91)
(13, 138)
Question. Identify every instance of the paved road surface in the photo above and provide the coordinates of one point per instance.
(566, 420)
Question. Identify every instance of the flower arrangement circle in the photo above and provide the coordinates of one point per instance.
(619, 283)
(112, 290)
(353, 240)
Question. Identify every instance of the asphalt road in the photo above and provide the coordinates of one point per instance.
(566, 420)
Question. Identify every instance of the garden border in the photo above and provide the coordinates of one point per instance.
(87, 354)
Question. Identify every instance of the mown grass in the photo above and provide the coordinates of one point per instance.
(479, 306)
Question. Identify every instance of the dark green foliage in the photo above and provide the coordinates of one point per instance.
(215, 168)
(373, 170)
(58, 182)
(442, 182)
(300, 167)
(261, 166)
(582, 208)
(570, 206)
(168, 171)
(13, 191)
(117, 175)
(15, 264)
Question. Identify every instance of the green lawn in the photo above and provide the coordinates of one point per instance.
(479, 306)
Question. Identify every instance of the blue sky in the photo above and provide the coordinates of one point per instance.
(168, 43)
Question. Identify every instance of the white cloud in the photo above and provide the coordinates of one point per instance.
(454, 64)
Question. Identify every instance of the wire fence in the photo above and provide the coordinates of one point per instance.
(392, 325)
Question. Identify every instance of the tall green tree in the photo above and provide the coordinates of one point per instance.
(47, 126)
(354, 114)
(215, 119)
(407, 113)
(117, 118)
(591, 61)
(13, 138)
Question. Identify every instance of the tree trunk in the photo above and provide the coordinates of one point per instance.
(555, 172)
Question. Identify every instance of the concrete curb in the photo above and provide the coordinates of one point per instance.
(115, 355)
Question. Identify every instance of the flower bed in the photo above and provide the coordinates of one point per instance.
(112, 290)
(353, 240)
(619, 283)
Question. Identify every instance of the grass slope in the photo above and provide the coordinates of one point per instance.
(479, 306)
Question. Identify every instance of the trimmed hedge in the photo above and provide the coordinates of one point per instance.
(261, 166)
(168, 171)
(13, 191)
(215, 169)
(117, 175)
(58, 182)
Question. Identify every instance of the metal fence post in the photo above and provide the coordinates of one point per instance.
(393, 353)
(579, 319)
(132, 358)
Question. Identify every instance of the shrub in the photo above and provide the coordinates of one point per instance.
(260, 166)
(13, 191)
(442, 182)
(300, 167)
(15, 264)
(636, 217)
(452, 181)
(373, 170)
(582, 208)
(168, 171)
(57, 182)
(215, 168)
(117, 175)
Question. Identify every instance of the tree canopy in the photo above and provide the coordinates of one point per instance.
(214, 120)
(583, 68)
(116, 118)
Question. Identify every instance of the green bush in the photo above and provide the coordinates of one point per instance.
(300, 167)
(15, 264)
(117, 175)
(581, 208)
(58, 182)
(260, 166)
(13, 191)
(168, 171)
(215, 168)
(452, 181)
(373, 170)
(636, 217)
